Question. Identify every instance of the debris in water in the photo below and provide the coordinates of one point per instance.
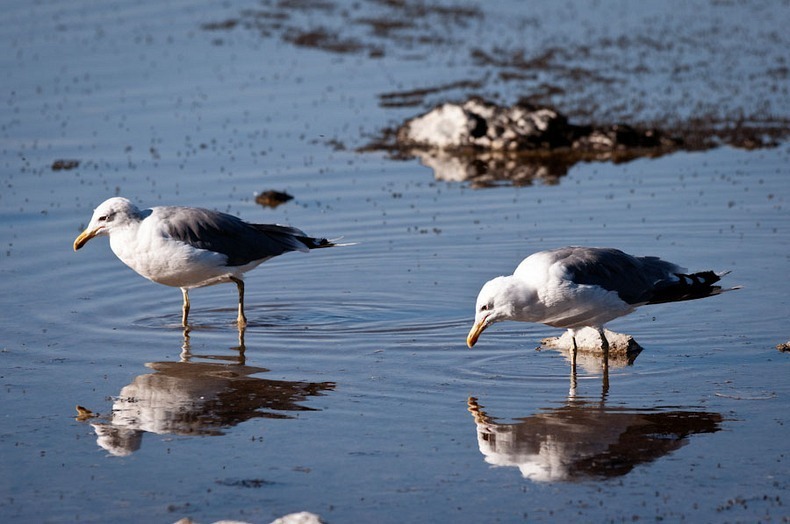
(273, 198)
(84, 414)
(64, 165)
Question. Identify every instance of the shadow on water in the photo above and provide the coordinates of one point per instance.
(586, 440)
(199, 395)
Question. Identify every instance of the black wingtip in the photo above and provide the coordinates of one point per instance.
(690, 286)
(318, 243)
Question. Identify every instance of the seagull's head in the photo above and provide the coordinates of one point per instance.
(110, 214)
(497, 301)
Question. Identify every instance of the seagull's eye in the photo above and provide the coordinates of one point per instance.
(106, 218)
(484, 307)
(102, 218)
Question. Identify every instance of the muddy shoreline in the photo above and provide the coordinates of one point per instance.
(636, 81)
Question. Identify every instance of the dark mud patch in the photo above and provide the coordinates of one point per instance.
(396, 26)
(416, 97)
(245, 483)
(323, 38)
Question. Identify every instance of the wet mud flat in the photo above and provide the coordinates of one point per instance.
(596, 87)
(352, 394)
(591, 75)
(643, 77)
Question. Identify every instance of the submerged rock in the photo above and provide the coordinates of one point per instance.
(621, 347)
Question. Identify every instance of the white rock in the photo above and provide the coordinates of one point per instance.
(589, 341)
(444, 127)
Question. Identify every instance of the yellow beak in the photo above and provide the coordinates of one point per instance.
(475, 332)
(83, 238)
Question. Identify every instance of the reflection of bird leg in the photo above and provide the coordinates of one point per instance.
(605, 348)
(574, 351)
(241, 319)
(185, 307)
(572, 391)
(187, 355)
(477, 411)
(241, 348)
(186, 348)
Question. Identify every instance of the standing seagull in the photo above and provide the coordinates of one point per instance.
(190, 247)
(575, 287)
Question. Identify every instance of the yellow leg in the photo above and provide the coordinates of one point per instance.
(241, 320)
(185, 308)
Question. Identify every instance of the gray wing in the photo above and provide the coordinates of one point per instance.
(634, 279)
(238, 240)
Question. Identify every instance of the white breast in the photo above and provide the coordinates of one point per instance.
(146, 249)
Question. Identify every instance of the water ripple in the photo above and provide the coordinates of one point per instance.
(319, 316)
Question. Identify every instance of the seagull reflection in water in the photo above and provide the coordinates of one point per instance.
(586, 440)
(199, 396)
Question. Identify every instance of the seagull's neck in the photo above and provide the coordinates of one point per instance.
(519, 299)
(125, 238)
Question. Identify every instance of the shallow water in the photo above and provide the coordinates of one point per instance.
(356, 397)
